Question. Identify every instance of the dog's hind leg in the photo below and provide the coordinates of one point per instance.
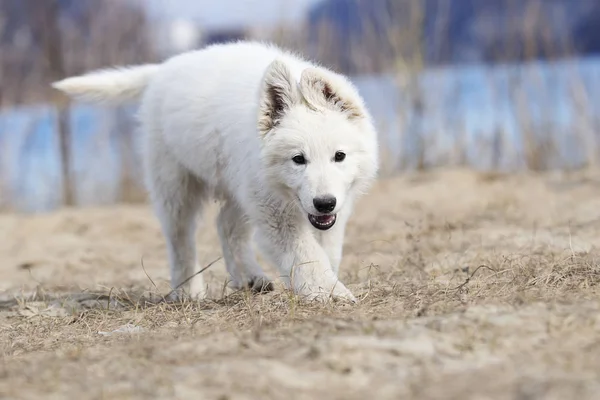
(177, 197)
(235, 234)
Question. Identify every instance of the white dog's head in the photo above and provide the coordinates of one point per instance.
(319, 144)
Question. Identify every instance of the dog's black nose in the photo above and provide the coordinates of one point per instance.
(325, 204)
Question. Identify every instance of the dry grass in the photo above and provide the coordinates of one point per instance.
(472, 286)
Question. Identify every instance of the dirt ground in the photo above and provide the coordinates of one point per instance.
(471, 286)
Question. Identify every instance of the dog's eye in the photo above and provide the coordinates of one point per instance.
(339, 156)
(299, 159)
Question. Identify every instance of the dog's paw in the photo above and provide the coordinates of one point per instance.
(334, 292)
(260, 284)
(257, 284)
(177, 296)
(342, 293)
(181, 295)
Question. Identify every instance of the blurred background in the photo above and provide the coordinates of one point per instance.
(501, 85)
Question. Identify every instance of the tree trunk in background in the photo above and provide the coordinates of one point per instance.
(64, 132)
(46, 17)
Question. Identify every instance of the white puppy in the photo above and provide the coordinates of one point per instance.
(286, 145)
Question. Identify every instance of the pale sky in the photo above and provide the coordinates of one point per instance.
(231, 13)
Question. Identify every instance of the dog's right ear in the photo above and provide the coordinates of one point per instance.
(279, 93)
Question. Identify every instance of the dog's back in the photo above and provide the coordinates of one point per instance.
(216, 87)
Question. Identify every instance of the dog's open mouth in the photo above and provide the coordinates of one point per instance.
(322, 222)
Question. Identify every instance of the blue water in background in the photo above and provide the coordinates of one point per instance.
(472, 102)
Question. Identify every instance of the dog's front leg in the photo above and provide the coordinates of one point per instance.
(303, 264)
(332, 240)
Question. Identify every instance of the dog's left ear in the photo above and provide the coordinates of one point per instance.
(327, 91)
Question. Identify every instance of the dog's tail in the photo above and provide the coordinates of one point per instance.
(115, 85)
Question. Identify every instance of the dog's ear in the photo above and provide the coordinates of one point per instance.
(328, 91)
(279, 93)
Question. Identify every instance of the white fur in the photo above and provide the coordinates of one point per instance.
(107, 85)
(225, 122)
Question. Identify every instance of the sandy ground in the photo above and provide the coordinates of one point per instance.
(471, 286)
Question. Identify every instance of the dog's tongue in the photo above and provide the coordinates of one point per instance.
(324, 219)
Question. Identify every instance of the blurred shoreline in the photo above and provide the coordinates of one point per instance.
(530, 102)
